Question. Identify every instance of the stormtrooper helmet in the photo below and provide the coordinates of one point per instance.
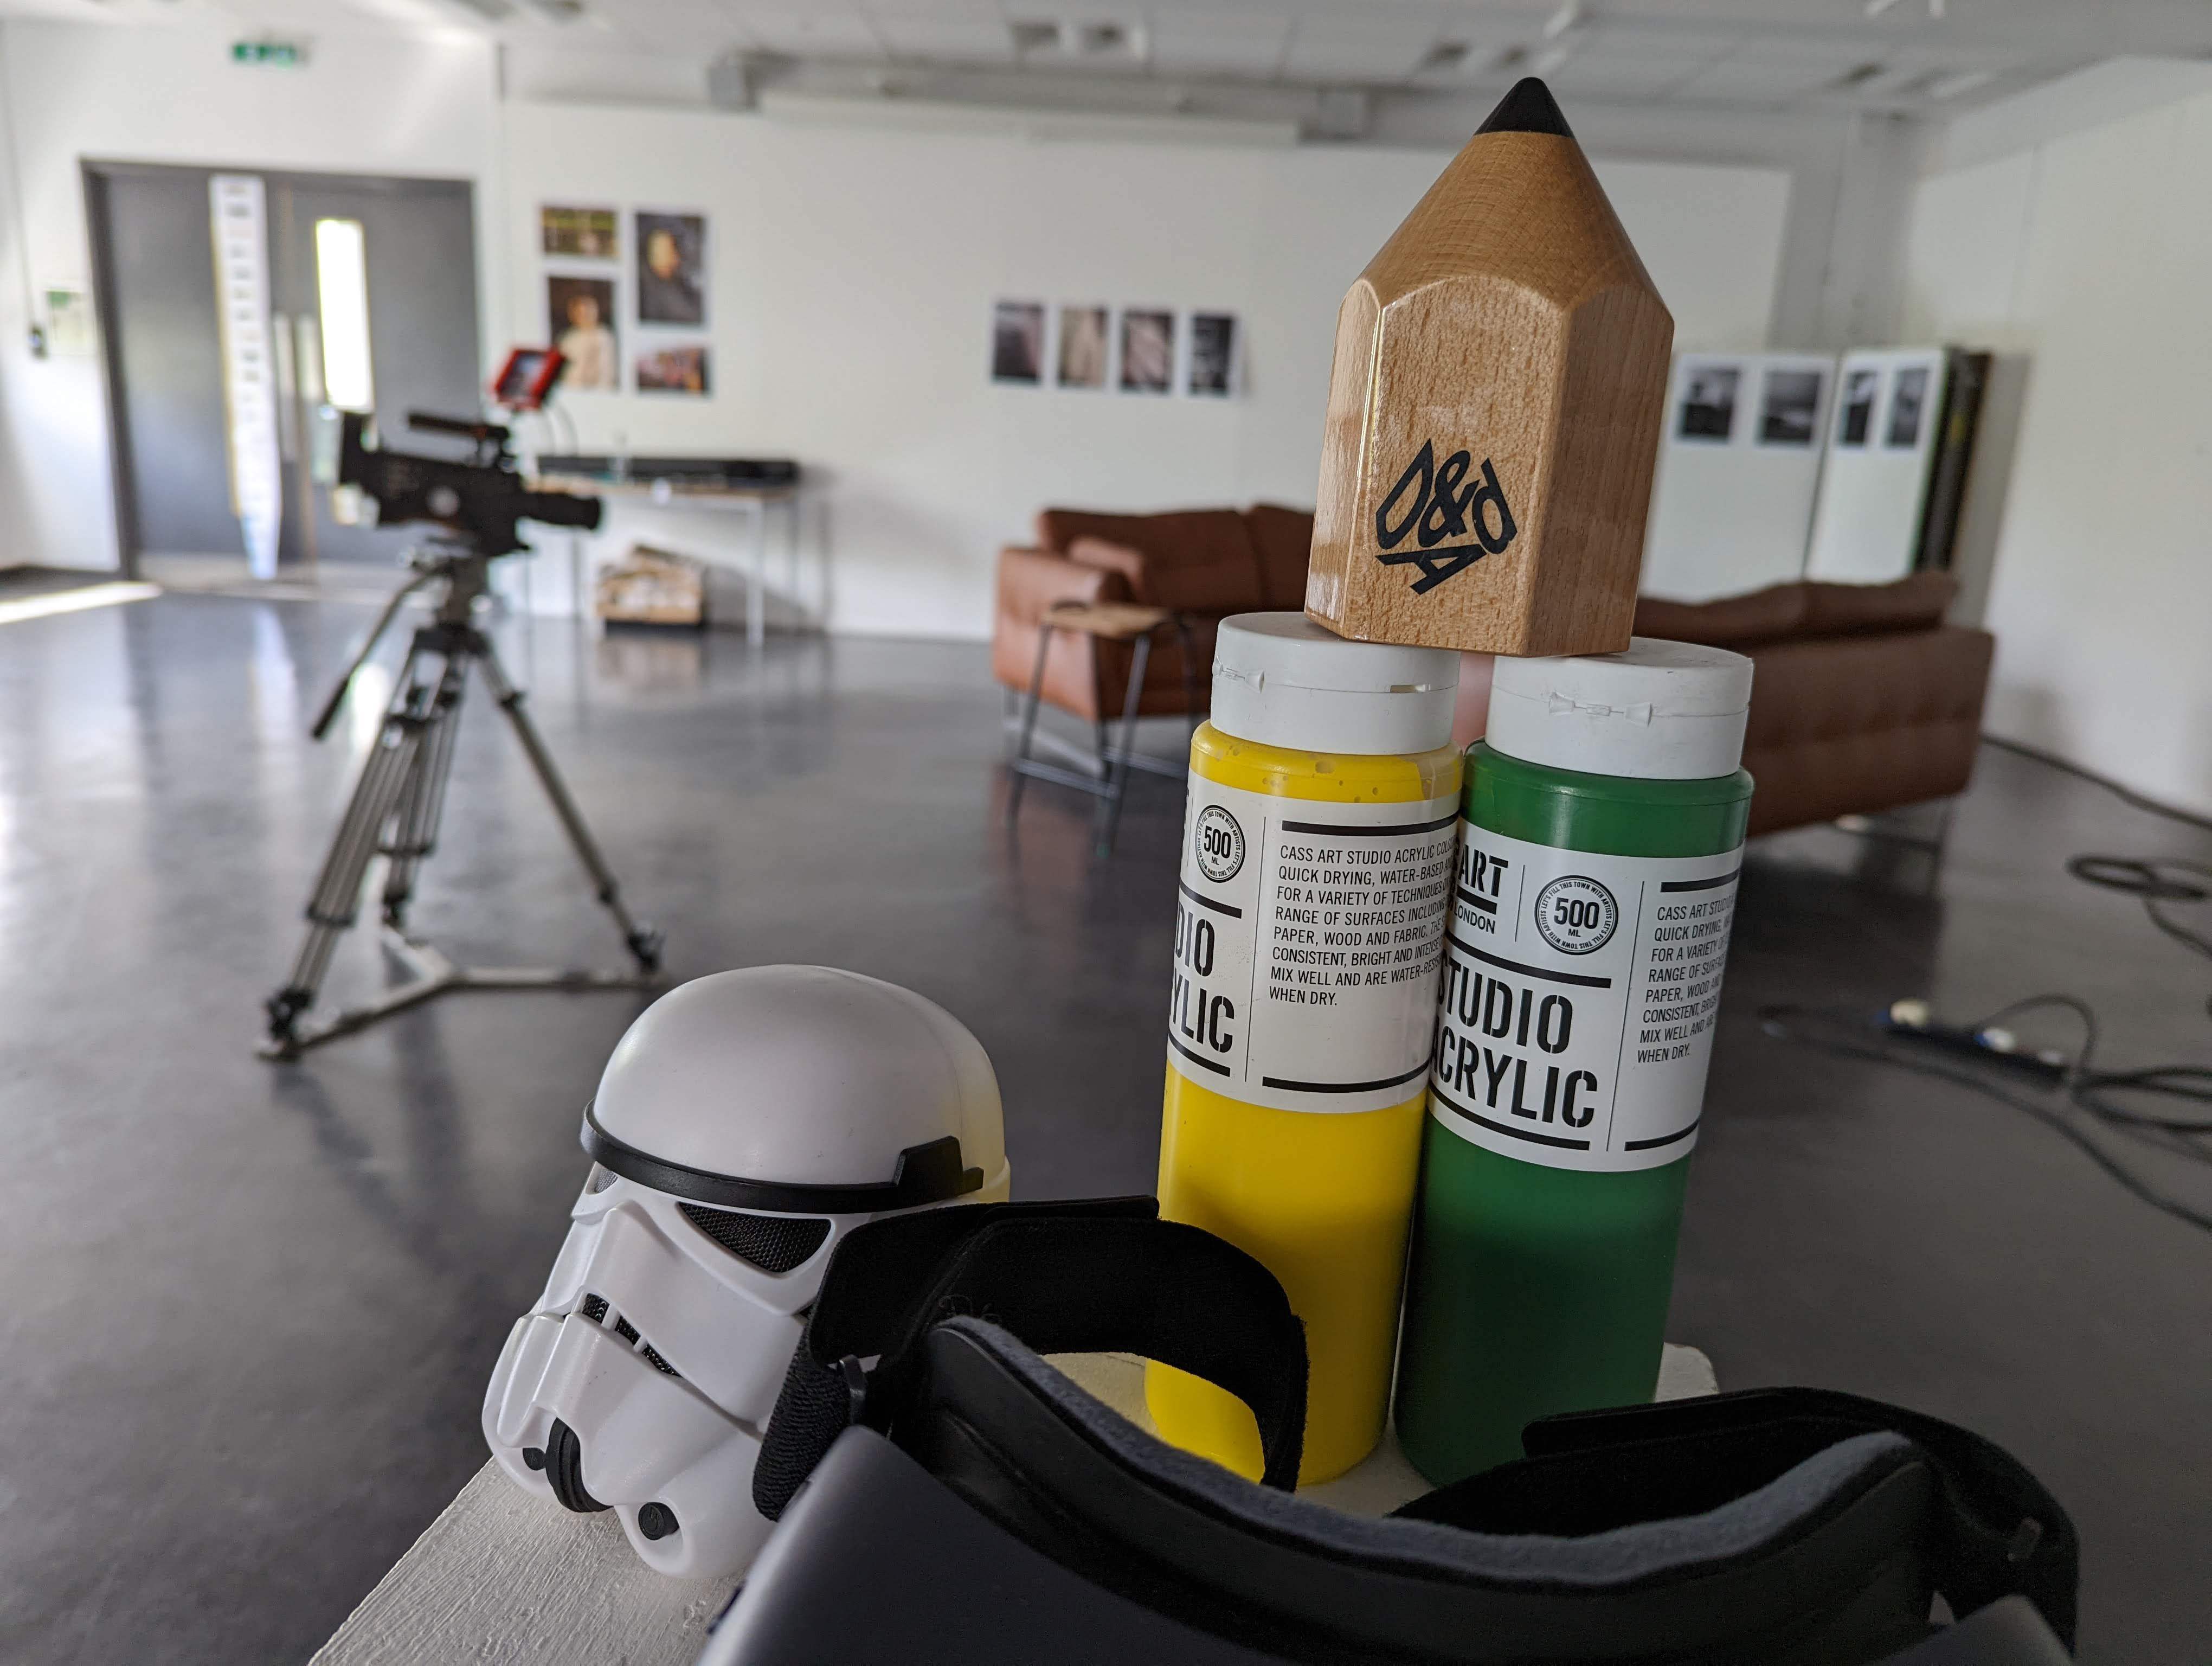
(746, 1123)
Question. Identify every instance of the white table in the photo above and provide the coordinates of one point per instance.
(501, 1576)
(752, 502)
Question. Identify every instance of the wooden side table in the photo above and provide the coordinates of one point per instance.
(1113, 621)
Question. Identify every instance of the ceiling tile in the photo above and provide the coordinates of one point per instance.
(1362, 43)
(831, 32)
(946, 40)
(1218, 42)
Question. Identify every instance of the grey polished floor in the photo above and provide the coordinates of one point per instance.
(250, 1310)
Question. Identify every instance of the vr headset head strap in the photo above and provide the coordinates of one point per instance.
(1083, 1278)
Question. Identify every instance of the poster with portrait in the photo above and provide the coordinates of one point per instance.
(672, 268)
(1018, 343)
(1084, 340)
(580, 322)
(674, 370)
(579, 234)
(1213, 352)
(1148, 349)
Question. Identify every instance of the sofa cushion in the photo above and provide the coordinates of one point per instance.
(1203, 536)
(1916, 602)
(1214, 587)
(1760, 615)
(1800, 611)
(1209, 548)
(1282, 539)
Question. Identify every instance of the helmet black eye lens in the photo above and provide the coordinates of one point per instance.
(775, 1243)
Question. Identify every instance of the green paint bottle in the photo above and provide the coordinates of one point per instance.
(1600, 838)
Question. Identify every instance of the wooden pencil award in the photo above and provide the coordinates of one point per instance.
(1493, 414)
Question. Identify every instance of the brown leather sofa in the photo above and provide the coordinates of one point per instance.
(1861, 700)
(1204, 563)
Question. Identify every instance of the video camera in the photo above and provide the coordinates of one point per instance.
(479, 500)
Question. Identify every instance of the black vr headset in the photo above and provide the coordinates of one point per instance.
(959, 1500)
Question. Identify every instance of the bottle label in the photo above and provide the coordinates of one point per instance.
(1307, 941)
(1578, 1000)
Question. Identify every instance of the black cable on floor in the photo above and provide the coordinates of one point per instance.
(2104, 1096)
(2125, 794)
(2085, 1092)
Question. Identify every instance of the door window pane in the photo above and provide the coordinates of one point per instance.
(342, 289)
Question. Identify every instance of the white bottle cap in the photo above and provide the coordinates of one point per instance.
(1281, 680)
(1662, 711)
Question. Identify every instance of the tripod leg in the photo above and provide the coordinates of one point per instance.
(643, 941)
(336, 900)
(415, 826)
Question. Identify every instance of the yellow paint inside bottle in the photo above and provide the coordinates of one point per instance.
(1323, 1199)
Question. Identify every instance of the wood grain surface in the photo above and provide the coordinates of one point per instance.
(1493, 415)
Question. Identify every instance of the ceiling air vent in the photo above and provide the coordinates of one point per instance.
(1076, 39)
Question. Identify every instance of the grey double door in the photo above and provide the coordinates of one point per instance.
(156, 266)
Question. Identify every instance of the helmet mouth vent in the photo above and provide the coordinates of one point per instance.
(773, 1243)
(594, 1310)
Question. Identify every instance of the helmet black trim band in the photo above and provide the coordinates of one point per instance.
(928, 1173)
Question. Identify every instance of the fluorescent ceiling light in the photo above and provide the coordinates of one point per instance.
(76, 601)
(342, 288)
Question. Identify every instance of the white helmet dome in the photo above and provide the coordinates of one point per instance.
(745, 1123)
(870, 1068)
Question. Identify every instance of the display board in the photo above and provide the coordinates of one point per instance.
(1873, 486)
(1739, 466)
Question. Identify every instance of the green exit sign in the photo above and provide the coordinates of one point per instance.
(283, 54)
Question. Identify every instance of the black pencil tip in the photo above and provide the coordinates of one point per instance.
(1528, 108)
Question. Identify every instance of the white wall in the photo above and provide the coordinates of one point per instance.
(853, 272)
(370, 103)
(2088, 252)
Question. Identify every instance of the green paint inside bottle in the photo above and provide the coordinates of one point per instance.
(1534, 1290)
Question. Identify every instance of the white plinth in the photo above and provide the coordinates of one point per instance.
(501, 1576)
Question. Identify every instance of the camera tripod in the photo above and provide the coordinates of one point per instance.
(395, 809)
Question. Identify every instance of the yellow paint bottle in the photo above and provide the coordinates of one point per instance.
(1316, 874)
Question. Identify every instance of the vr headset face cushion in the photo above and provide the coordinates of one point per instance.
(1186, 1538)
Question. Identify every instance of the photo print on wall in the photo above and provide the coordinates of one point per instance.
(1213, 355)
(1018, 343)
(1709, 403)
(672, 268)
(1083, 346)
(1859, 390)
(1906, 401)
(584, 233)
(674, 370)
(1791, 409)
(1147, 351)
(580, 319)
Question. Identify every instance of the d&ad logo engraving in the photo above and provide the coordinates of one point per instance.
(1440, 510)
